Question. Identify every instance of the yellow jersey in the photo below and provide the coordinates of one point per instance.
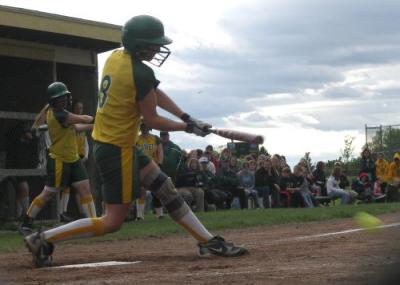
(381, 168)
(63, 138)
(125, 81)
(81, 143)
(149, 143)
(394, 169)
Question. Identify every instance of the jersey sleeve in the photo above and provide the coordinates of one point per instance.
(144, 79)
(61, 117)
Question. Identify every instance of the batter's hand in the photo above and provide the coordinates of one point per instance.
(195, 126)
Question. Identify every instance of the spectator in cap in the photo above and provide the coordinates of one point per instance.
(363, 187)
(206, 159)
(212, 195)
(213, 160)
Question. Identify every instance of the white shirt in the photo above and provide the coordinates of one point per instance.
(332, 184)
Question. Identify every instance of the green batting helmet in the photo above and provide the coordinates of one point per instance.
(56, 89)
(143, 31)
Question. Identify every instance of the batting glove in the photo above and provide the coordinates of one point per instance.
(195, 126)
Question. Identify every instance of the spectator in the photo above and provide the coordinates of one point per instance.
(199, 152)
(247, 182)
(273, 175)
(367, 164)
(253, 166)
(344, 181)
(21, 153)
(381, 168)
(262, 157)
(174, 159)
(284, 163)
(305, 192)
(392, 190)
(286, 188)
(212, 156)
(189, 185)
(379, 196)
(306, 167)
(233, 164)
(276, 164)
(209, 148)
(211, 162)
(193, 154)
(225, 155)
(363, 187)
(267, 184)
(393, 179)
(228, 182)
(212, 195)
(298, 185)
(333, 188)
(320, 177)
(394, 169)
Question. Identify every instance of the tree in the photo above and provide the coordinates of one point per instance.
(348, 150)
(387, 140)
(307, 157)
(391, 140)
(263, 151)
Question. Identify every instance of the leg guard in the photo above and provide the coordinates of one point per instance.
(163, 188)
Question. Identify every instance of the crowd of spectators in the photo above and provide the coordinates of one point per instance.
(210, 180)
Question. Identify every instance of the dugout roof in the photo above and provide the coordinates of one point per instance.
(52, 29)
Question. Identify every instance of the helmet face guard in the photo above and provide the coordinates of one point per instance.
(154, 56)
(65, 99)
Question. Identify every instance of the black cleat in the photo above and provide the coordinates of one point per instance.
(218, 246)
(64, 218)
(26, 227)
(41, 249)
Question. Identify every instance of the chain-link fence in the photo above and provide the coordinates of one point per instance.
(385, 139)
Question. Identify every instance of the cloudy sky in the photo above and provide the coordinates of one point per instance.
(304, 73)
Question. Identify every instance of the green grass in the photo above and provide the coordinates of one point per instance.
(217, 221)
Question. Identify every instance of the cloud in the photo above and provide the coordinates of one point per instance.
(304, 73)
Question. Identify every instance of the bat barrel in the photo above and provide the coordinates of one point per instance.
(240, 136)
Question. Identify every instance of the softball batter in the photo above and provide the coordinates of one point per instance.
(128, 91)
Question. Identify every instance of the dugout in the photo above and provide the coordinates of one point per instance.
(36, 49)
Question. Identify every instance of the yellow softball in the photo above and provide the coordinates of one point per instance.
(367, 221)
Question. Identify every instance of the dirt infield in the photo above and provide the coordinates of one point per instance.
(277, 256)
